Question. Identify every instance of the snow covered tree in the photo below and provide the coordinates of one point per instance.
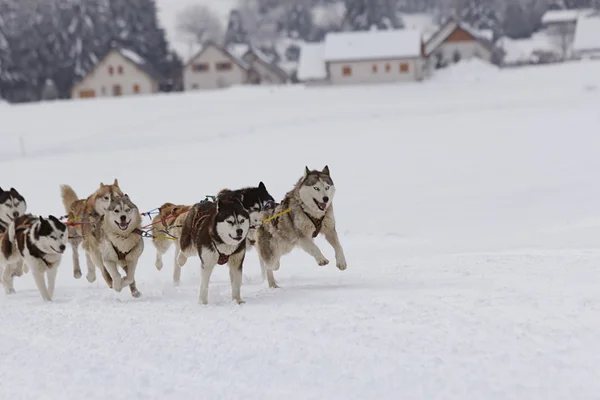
(199, 24)
(362, 15)
(299, 23)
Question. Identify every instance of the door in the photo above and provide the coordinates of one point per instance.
(117, 90)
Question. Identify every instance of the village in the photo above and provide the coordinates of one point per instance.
(412, 54)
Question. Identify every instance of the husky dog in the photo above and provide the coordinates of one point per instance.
(12, 205)
(167, 230)
(83, 213)
(253, 199)
(117, 241)
(218, 231)
(311, 213)
(39, 243)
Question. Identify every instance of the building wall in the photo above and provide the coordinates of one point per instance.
(125, 75)
(466, 49)
(211, 78)
(267, 76)
(376, 71)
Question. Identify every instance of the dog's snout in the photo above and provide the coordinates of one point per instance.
(240, 232)
(16, 214)
(123, 218)
(325, 199)
(62, 247)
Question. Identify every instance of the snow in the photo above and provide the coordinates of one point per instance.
(468, 212)
(555, 16)
(238, 50)
(468, 70)
(523, 50)
(133, 56)
(587, 34)
(370, 45)
(423, 22)
(312, 64)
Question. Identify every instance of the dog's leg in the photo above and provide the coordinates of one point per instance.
(97, 260)
(132, 286)
(176, 266)
(332, 237)
(129, 273)
(51, 274)
(75, 250)
(181, 258)
(106, 277)
(235, 276)
(134, 291)
(91, 268)
(311, 248)
(18, 271)
(162, 246)
(117, 282)
(38, 275)
(267, 273)
(207, 269)
(7, 280)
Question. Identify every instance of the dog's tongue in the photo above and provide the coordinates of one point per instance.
(323, 206)
(123, 224)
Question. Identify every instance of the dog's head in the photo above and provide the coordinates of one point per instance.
(50, 235)
(170, 209)
(317, 189)
(122, 215)
(232, 221)
(254, 199)
(103, 196)
(12, 205)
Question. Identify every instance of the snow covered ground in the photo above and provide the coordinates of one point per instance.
(468, 210)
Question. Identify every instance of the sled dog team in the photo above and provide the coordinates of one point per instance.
(108, 227)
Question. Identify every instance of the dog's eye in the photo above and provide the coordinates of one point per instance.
(117, 211)
(326, 187)
(128, 210)
(230, 223)
(53, 238)
(106, 197)
(316, 188)
(242, 221)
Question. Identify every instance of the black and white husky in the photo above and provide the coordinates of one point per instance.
(12, 205)
(305, 212)
(39, 243)
(218, 231)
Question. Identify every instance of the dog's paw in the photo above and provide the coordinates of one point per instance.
(91, 278)
(159, 265)
(127, 281)
(341, 264)
(10, 291)
(77, 273)
(239, 301)
(322, 261)
(136, 293)
(117, 286)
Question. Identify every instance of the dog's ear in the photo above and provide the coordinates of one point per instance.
(116, 182)
(326, 170)
(102, 185)
(306, 172)
(262, 186)
(1, 190)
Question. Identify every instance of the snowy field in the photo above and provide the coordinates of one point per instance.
(468, 207)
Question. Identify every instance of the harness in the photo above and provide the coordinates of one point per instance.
(317, 222)
(224, 258)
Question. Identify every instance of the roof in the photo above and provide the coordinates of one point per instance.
(587, 34)
(238, 49)
(140, 62)
(238, 60)
(372, 45)
(554, 16)
(484, 37)
(311, 65)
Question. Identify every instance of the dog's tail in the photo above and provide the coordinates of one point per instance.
(68, 197)
(186, 239)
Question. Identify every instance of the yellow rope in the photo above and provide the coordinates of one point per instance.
(277, 215)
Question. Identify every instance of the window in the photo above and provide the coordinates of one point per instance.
(120, 69)
(346, 71)
(111, 70)
(387, 67)
(200, 67)
(374, 68)
(404, 67)
(136, 88)
(116, 90)
(223, 66)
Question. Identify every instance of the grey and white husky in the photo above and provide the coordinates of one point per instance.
(310, 214)
(217, 231)
(12, 205)
(37, 242)
(117, 242)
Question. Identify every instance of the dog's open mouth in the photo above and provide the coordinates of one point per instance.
(123, 225)
(238, 238)
(322, 206)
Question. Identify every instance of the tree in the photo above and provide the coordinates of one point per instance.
(199, 24)
(363, 15)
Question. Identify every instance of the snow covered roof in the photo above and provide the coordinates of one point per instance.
(140, 62)
(524, 50)
(234, 57)
(311, 65)
(554, 16)
(587, 34)
(372, 45)
(436, 40)
(238, 49)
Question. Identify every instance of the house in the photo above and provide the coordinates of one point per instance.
(456, 41)
(560, 21)
(363, 57)
(214, 67)
(269, 73)
(120, 72)
(586, 43)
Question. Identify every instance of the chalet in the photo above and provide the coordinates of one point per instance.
(120, 72)
(363, 57)
(455, 41)
(586, 43)
(268, 72)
